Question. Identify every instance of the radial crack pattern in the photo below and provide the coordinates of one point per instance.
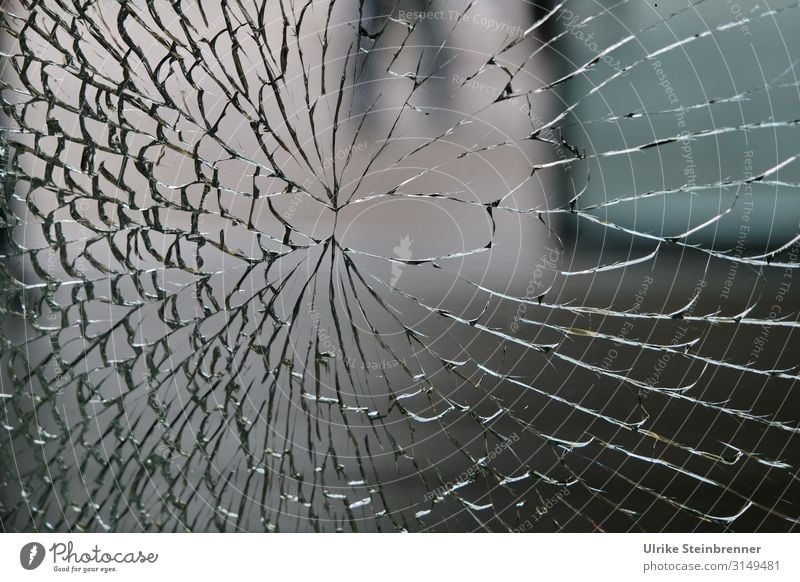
(374, 266)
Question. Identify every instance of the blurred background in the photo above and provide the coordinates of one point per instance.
(387, 266)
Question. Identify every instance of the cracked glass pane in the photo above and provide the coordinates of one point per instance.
(399, 266)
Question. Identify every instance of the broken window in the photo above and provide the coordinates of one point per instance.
(380, 266)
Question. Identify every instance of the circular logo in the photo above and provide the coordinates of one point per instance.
(31, 555)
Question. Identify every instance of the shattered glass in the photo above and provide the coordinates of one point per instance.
(381, 266)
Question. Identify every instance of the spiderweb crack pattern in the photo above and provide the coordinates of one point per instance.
(318, 266)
